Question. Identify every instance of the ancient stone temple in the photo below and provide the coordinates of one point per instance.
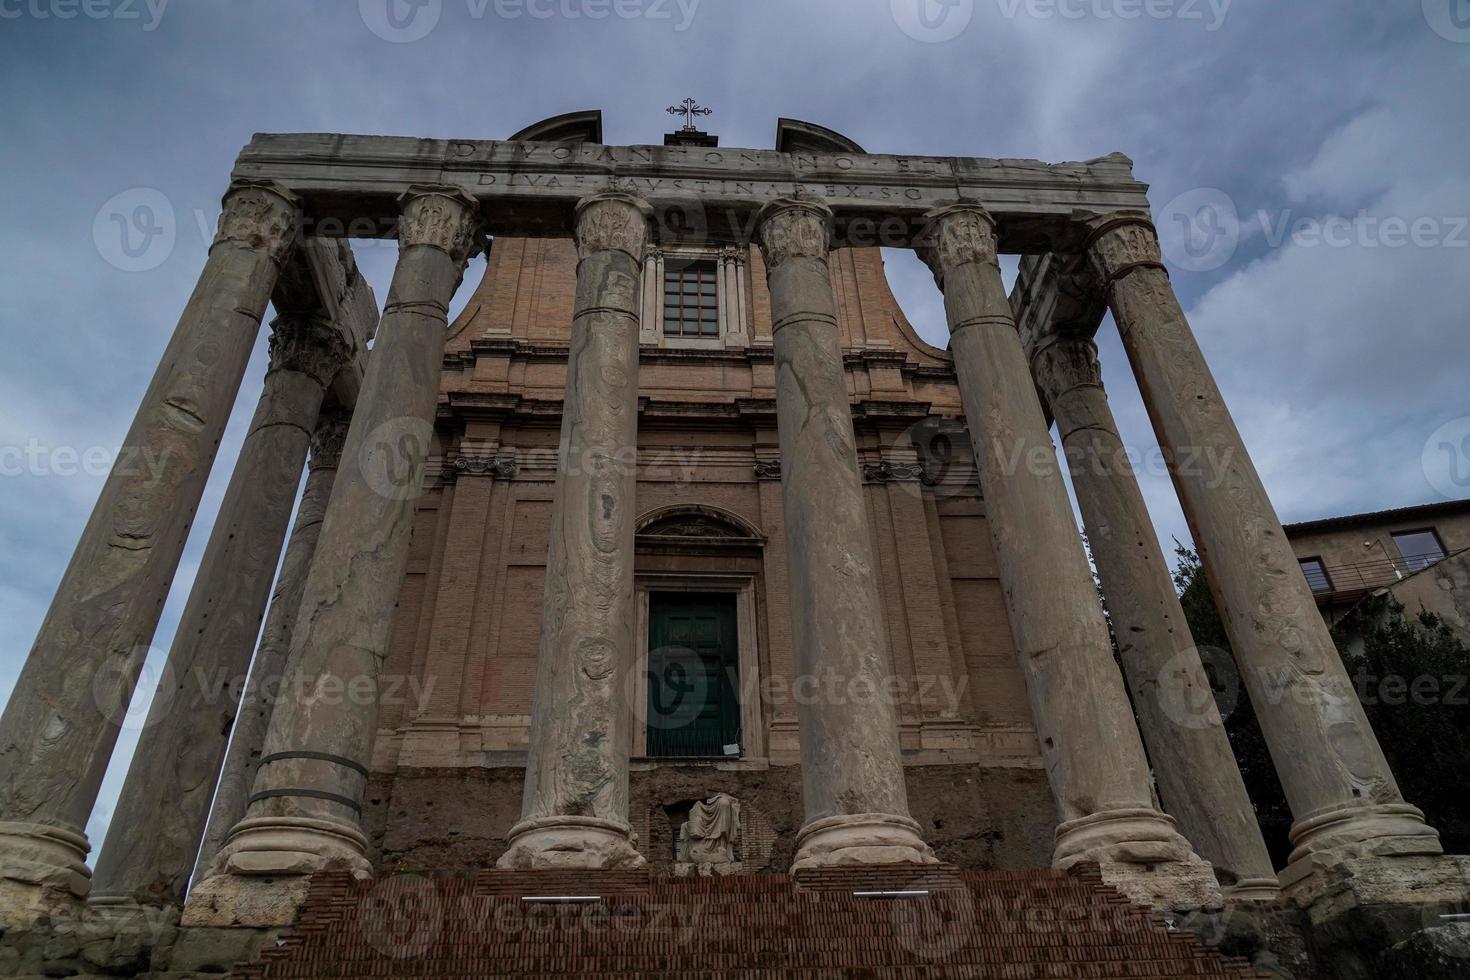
(678, 569)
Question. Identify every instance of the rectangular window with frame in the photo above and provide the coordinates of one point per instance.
(1419, 549)
(691, 300)
(1316, 574)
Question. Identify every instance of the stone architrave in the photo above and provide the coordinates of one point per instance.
(852, 773)
(62, 720)
(304, 813)
(1344, 800)
(172, 776)
(575, 807)
(1089, 741)
(268, 670)
(1197, 775)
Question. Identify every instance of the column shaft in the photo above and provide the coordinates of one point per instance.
(1196, 770)
(1089, 740)
(59, 728)
(852, 772)
(304, 812)
(1342, 794)
(172, 776)
(575, 807)
(267, 671)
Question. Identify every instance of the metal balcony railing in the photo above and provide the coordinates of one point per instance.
(1356, 579)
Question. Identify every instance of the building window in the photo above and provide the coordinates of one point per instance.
(691, 300)
(694, 297)
(1316, 574)
(1419, 549)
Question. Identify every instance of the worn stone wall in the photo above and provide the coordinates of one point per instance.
(448, 818)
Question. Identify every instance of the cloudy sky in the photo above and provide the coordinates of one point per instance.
(1307, 161)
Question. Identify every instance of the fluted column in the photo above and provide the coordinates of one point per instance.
(1343, 796)
(575, 807)
(304, 813)
(852, 773)
(172, 776)
(61, 723)
(1193, 763)
(267, 671)
(1089, 740)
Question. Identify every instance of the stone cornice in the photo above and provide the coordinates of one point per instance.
(531, 188)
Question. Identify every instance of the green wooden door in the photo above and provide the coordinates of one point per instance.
(693, 675)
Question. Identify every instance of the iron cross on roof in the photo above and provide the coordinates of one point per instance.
(689, 109)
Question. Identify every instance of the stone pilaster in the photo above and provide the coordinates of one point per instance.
(1343, 796)
(852, 774)
(304, 813)
(1196, 771)
(1089, 741)
(267, 672)
(172, 776)
(575, 808)
(59, 728)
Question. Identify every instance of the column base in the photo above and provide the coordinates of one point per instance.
(1140, 853)
(1359, 830)
(43, 872)
(591, 843)
(262, 874)
(1253, 890)
(861, 838)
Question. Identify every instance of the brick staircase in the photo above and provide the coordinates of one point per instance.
(988, 925)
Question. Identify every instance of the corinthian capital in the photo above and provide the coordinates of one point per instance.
(1064, 364)
(957, 235)
(440, 217)
(613, 221)
(789, 227)
(309, 344)
(1120, 242)
(260, 214)
(328, 439)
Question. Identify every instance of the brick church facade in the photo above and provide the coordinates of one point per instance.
(446, 768)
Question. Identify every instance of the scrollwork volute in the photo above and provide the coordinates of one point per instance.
(1120, 242)
(445, 218)
(789, 227)
(260, 214)
(956, 236)
(309, 344)
(613, 222)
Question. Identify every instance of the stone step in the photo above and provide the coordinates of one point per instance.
(1032, 925)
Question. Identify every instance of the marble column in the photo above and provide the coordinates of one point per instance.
(1343, 796)
(1089, 740)
(574, 811)
(1194, 766)
(173, 772)
(268, 670)
(852, 773)
(304, 814)
(59, 728)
